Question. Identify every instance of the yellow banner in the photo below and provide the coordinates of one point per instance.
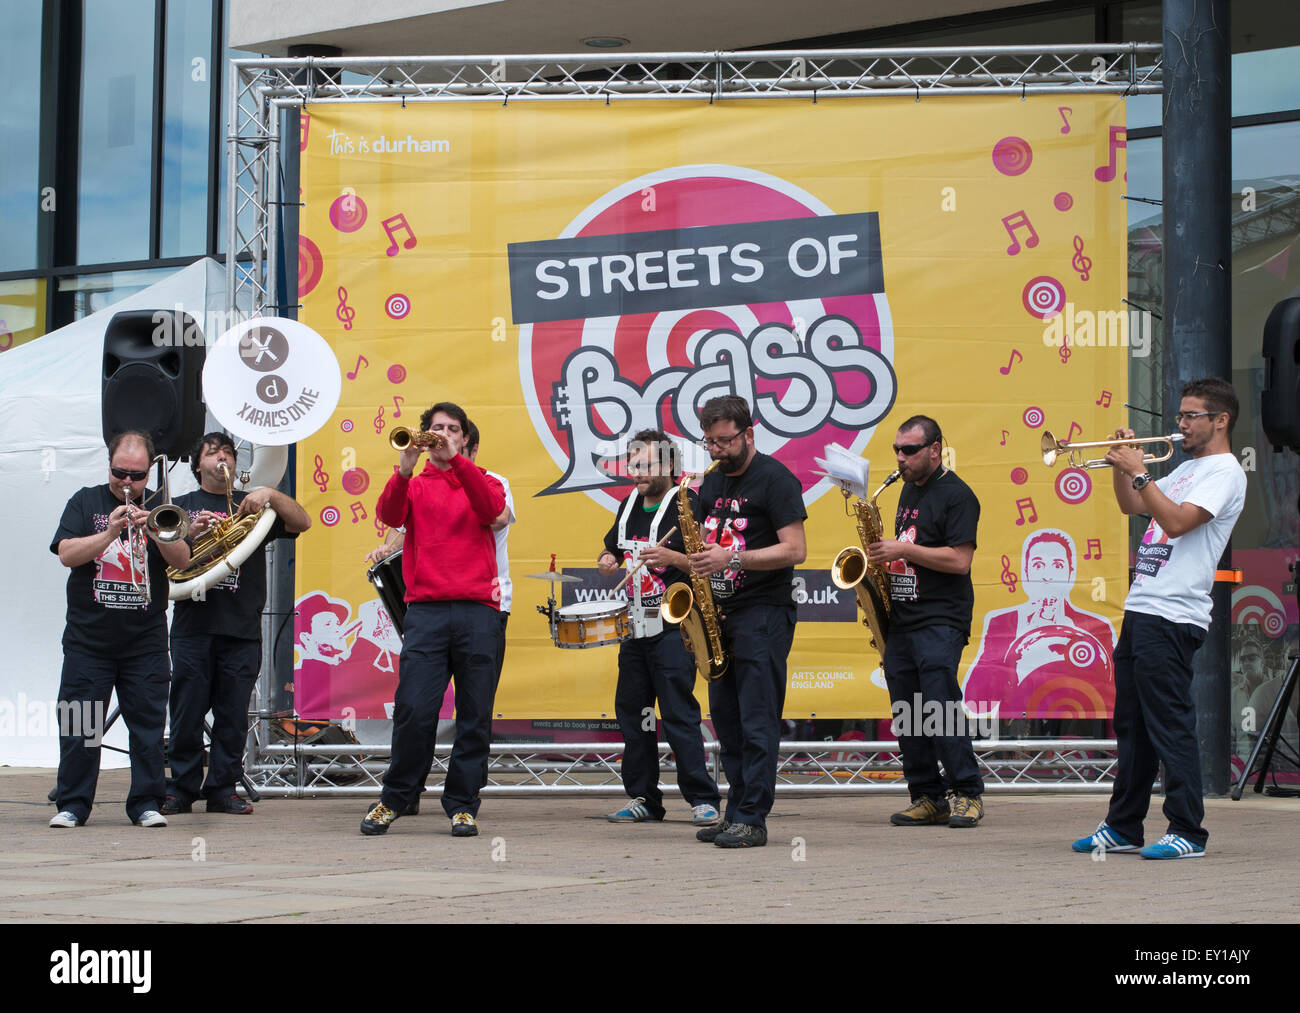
(571, 272)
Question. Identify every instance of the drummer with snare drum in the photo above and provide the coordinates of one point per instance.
(654, 665)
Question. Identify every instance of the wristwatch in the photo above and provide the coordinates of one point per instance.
(1141, 481)
(734, 562)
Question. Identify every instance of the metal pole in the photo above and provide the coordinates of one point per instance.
(1198, 289)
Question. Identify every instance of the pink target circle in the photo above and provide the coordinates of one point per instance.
(346, 425)
(1019, 476)
(356, 481)
(1044, 297)
(396, 373)
(310, 265)
(1063, 201)
(1073, 486)
(348, 213)
(397, 306)
(329, 516)
(1033, 417)
(1012, 156)
(1082, 654)
(1274, 623)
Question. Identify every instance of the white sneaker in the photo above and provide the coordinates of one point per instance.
(151, 818)
(65, 820)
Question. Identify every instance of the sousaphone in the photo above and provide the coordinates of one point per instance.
(222, 549)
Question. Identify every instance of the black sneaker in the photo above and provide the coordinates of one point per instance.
(710, 834)
(378, 817)
(173, 805)
(464, 825)
(741, 835)
(231, 804)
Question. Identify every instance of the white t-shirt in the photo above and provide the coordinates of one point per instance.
(503, 560)
(1174, 575)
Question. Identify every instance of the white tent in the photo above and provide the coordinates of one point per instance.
(53, 445)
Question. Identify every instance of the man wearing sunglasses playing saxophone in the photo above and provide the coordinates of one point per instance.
(116, 634)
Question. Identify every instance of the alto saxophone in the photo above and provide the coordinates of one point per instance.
(852, 569)
(690, 606)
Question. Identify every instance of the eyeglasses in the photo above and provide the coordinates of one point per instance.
(1178, 418)
(721, 442)
(134, 476)
(911, 448)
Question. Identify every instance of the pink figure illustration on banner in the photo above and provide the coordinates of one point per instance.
(326, 636)
(1045, 657)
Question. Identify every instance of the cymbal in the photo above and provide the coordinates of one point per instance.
(555, 577)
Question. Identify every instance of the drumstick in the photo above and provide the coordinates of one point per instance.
(638, 566)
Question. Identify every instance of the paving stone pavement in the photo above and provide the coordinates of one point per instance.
(549, 860)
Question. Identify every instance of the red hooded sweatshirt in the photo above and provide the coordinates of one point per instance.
(449, 553)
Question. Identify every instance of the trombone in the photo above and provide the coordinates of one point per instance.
(1053, 448)
(166, 523)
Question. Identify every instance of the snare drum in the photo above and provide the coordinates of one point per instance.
(591, 624)
(386, 575)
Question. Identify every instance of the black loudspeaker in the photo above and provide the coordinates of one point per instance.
(1280, 403)
(152, 379)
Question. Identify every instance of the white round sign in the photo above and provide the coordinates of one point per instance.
(271, 381)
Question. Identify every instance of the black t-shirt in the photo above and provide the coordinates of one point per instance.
(232, 607)
(107, 616)
(943, 512)
(743, 512)
(655, 580)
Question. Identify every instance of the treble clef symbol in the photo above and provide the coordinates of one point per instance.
(1064, 353)
(1008, 578)
(319, 476)
(345, 312)
(1080, 261)
(379, 420)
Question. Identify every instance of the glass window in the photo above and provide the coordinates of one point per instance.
(22, 311)
(116, 134)
(187, 92)
(1265, 82)
(20, 126)
(1140, 22)
(90, 293)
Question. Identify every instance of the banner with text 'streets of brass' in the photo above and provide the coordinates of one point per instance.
(573, 272)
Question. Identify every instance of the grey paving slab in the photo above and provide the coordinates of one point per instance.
(185, 905)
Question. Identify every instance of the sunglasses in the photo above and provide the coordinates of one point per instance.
(911, 448)
(134, 476)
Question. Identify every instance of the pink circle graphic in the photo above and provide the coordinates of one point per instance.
(397, 306)
(396, 373)
(1020, 476)
(1012, 156)
(356, 481)
(346, 425)
(310, 265)
(1033, 417)
(1082, 654)
(348, 213)
(1073, 486)
(1063, 201)
(1044, 297)
(329, 516)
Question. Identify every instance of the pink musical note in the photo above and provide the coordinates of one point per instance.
(380, 527)
(1026, 504)
(1018, 220)
(361, 361)
(397, 406)
(320, 476)
(1118, 139)
(305, 120)
(1004, 438)
(379, 420)
(1104, 400)
(1008, 578)
(398, 223)
(1073, 427)
(1064, 119)
(1093, 543)
(358, 505)
(1006, 370)
(6, 337)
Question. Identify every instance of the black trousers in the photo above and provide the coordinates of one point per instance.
(1155, 723)
(442, 640)
(217, 674)
(660, 668)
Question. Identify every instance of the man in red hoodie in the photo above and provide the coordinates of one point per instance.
(452, 624)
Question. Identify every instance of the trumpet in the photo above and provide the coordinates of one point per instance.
(1052, 448)
(401, 438)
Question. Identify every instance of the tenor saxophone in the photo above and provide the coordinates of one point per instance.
(690, 606)
(852, 569)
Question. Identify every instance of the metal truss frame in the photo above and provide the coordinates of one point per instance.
(259, 90)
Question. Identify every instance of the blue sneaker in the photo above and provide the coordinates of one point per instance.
(634, 812)
(1172, 846)
(1105, 840)
(704, 815)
